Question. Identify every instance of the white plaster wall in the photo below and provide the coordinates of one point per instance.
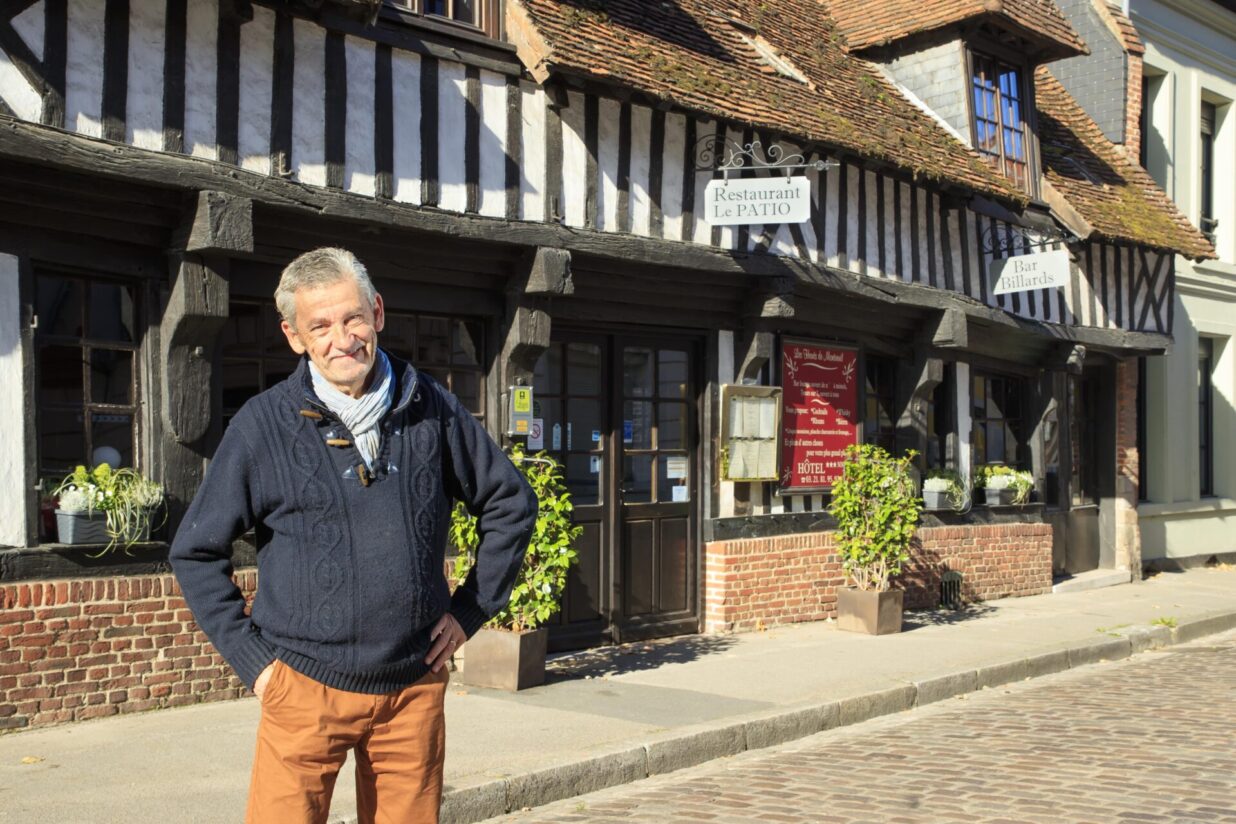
(12, 420)
(83, 90)
(1191, 56)
(1176, 521)
(965, 459)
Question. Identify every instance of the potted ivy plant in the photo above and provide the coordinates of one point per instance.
(116, 507)
(509, 651)
(877, 511)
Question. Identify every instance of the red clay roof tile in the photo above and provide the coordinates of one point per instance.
(1116, 196)
(692, 54)
(867, 23)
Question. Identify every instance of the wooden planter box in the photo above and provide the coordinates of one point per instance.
(80, 528)
(504, 660)
(875, 613)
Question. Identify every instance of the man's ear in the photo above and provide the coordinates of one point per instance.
(379, 313)
(293, 338)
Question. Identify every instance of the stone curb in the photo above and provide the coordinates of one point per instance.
(696, 745)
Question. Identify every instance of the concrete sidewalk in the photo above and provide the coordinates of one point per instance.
(616, 715)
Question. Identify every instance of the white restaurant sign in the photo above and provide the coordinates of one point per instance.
(766, 200)
(1043, 270)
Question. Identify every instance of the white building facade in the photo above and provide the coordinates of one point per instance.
(1188, 507)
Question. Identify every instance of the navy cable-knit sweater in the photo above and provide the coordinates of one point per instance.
(350, 562)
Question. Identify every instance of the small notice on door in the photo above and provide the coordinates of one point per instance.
(557, 437)
(594, 464)
(536, 435)
(676, 468)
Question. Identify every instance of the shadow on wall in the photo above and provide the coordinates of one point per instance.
(10, 306)
(634, 657)
(921, 580)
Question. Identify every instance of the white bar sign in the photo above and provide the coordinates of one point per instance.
(765, 200)
(1043, 270)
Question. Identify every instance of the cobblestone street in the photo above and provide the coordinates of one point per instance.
(1152, 738)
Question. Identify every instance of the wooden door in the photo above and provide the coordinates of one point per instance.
(654, 553)
(620, 414)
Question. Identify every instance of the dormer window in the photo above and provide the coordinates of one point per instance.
(999, 117)
(477, 14)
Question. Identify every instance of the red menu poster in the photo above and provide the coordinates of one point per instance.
(819, 386)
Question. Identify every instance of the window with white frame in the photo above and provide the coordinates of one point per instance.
(1206, 173)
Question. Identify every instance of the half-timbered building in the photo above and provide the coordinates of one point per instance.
(528, 183)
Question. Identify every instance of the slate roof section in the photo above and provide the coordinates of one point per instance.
(1114, 195)
(867, 24)
(690, 54)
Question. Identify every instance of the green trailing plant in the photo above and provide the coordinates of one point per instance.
(877, 510)
(542, 577)
(949, 482)
(129, 501)
(1005, 477)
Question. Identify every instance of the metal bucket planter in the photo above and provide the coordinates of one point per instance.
(936, 500)
(1001, 497)
(504, 660)
(875, 613)
(82, 528)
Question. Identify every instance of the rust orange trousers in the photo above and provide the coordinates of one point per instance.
(306, 732)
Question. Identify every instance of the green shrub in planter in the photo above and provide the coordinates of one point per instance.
(128, 500)
(1019, 484)
(947, 486)
(537, 594)
(877, 510)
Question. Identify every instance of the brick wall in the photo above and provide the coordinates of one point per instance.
(757, 582)
(78, 649)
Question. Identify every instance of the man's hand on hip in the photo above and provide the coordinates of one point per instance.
(259, 686)
(447, 636)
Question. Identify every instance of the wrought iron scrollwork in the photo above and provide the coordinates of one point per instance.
(1005, 240)
(720, 154)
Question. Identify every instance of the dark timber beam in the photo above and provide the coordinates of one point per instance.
(527, 337)
(217, 222)
(195, 313)
(948, 329)
(550, 273)
(546, 274)
(1066, 358)
(755, 349)
(917, 379)
(196, 309)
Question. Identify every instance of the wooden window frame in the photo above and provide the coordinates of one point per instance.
(1017, 419)
(1029, 121)
(885, 396)
(88, 407)
(488, 22)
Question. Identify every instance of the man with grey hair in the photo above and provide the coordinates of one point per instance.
(347, 471)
